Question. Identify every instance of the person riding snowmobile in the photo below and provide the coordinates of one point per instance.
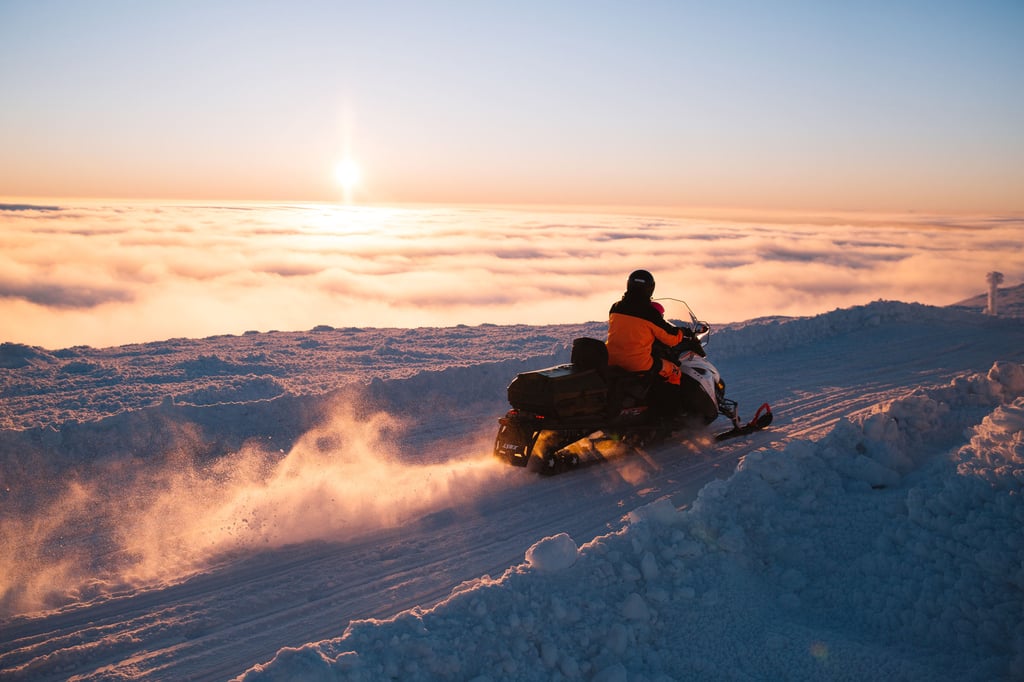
(634, 325)
(662, 384)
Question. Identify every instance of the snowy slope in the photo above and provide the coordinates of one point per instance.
(242, 506)
(1009, 301)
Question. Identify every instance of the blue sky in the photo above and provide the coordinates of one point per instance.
(794, 105)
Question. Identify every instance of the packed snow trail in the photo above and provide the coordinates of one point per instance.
(871, 554)
(241, 611)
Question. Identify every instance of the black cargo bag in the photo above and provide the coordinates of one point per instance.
(589, 353)
(559, 392)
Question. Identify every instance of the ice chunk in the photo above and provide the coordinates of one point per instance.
(553, 554)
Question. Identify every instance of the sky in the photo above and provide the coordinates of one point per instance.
(877, 105)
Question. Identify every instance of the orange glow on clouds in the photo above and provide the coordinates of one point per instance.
(108, 274)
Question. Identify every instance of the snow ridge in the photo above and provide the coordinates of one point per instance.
(781, 333)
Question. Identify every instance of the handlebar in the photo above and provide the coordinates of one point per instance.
(701, 330)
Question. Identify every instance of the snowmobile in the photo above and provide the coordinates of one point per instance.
(560, 415)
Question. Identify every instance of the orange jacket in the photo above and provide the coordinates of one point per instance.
(633, 327)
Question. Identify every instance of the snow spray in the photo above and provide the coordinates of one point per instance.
(125, 522)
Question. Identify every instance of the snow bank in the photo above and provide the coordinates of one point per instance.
(890, 549)
(81, 385)
(777, 333)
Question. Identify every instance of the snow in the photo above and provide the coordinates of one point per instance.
(553, 554)
(323, 505)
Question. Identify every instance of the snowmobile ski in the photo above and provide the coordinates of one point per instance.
(762, 418)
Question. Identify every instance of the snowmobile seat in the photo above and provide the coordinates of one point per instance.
(626, 388)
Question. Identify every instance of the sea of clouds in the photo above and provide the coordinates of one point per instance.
(109, 273)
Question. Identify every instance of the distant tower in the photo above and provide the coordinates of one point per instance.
(994, 279)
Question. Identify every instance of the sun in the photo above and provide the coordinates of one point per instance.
(348, 175)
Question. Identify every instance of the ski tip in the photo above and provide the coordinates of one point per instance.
(763, 417)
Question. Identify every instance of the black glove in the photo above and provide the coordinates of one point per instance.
(691, 344)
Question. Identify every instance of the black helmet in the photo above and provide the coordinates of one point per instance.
(640, 282)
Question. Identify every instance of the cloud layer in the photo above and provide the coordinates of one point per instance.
(109, 274)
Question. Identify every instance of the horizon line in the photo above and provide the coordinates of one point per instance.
(721, 212)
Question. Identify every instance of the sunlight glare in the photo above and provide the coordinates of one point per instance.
(347, 174)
